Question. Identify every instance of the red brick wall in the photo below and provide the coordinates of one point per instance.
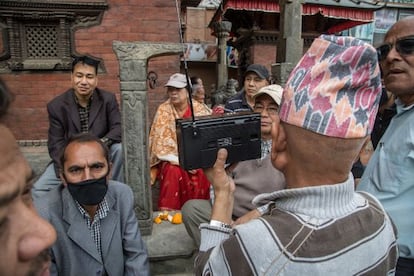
(196, 21)
(264, 54)
(138, 20)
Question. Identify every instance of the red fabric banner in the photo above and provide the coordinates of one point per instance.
(352, 16)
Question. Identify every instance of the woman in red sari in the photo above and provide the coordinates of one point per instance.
(176, 184)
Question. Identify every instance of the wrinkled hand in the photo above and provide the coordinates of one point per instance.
(217, 175)
(247, 217)
(223, 189)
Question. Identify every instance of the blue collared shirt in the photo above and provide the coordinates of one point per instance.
(389, 176)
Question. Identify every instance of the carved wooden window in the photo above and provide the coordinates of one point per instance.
(39, 35)
(41, 41)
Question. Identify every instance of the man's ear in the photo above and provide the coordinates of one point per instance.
(279, 145)
(109, 175)
(62, 178)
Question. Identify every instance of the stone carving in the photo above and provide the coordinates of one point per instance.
(222, 30)
(133, 60)
(144, 50)
(224, 92)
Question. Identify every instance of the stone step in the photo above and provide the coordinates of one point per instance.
(170, 248)
(36, 154)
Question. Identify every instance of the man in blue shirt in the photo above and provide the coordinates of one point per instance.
(390, 172)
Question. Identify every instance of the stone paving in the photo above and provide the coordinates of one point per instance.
(170, 249)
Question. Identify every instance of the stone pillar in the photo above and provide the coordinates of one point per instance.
(290, 42)
(222, 30)
(133, 61)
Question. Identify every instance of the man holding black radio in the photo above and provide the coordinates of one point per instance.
(252, 177)
(318, 224)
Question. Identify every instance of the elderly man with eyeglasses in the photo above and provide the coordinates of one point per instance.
(390, 173)
(252, 177)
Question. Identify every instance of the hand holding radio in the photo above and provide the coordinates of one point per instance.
(199, 139)
(223, 189)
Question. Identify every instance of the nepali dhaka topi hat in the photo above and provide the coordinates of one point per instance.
(335, 88)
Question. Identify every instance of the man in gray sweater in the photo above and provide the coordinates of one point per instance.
(317, 225)
(252, 177)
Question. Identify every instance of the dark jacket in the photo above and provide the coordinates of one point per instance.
(64, 121)
(237, 103)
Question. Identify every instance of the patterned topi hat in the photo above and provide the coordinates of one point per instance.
(335, 88)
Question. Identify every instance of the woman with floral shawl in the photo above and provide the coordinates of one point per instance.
(176, 184)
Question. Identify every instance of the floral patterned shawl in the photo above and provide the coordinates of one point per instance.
(163, 139)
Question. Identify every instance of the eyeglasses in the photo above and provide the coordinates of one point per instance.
(404, 46)
(271, 110)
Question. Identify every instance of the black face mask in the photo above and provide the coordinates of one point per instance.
(89, 192)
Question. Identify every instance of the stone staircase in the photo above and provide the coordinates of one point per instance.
(170, 248)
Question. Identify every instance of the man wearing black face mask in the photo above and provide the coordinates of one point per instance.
(94, 216)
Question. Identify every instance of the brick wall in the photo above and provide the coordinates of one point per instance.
(138, 20)
(196, 22)
(264, 54)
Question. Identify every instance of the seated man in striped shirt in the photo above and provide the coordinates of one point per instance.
(318, 225)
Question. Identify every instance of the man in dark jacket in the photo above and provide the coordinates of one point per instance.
(83, 108)
(24, 235)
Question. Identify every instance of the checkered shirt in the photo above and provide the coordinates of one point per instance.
(84, 114)
(95, 225)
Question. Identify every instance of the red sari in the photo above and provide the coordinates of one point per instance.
(177, 186)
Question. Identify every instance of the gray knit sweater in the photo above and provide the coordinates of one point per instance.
(252, 177)
(322, 230)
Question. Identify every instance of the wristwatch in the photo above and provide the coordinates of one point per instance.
(106, 141)
(220, 224)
